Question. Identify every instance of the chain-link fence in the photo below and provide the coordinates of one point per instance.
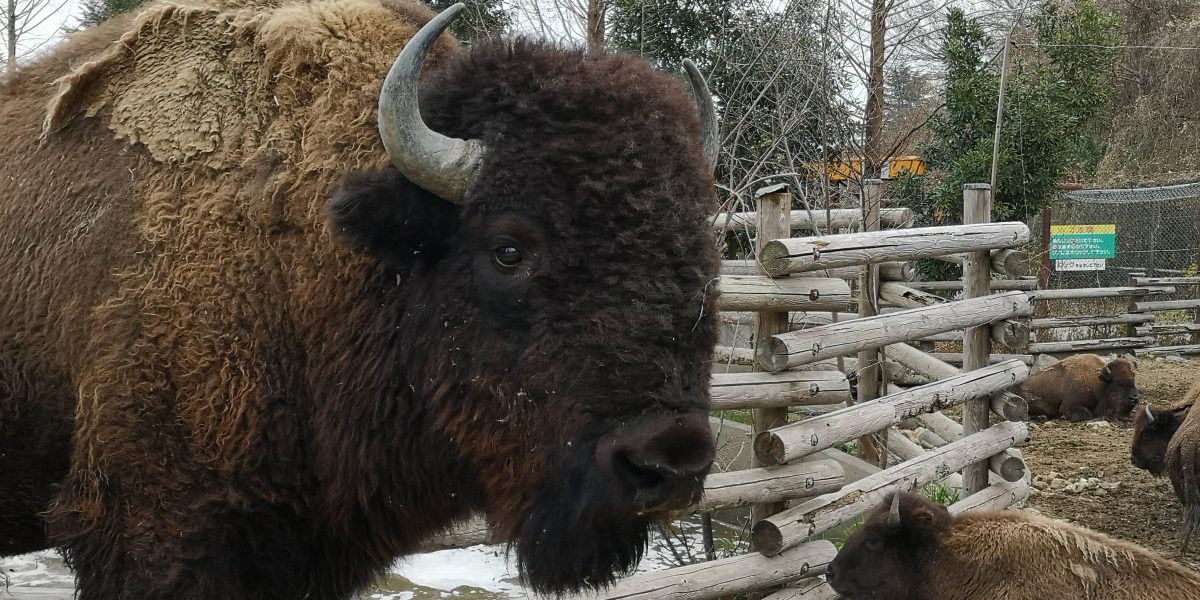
(1158, 232)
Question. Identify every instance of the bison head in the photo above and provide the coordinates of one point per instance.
(1120, 394)
(1152, 431)
(887, 556)
(547, 280)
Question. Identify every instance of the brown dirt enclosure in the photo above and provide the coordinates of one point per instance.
(1082, 471)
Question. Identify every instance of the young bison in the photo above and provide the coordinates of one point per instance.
(912, 549)
(1080, 388)
(1167, 440)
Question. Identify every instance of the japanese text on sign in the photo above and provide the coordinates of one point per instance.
(1083, 241)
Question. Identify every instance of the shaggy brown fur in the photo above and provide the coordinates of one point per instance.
(1148, 449)
(212, 399)
(1183, 465)
(1007, 555)
(1082, 387)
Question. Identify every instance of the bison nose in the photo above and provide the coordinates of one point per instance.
(660, 460)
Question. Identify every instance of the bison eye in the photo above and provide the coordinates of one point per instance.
(507, 258)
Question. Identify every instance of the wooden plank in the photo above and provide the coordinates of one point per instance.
(994, 284)
(769, 485)
(1103, 292)
(775, 390)
(725, 577)
(797, 440)
(794, 255)
(839, 218)
(785, 350)
(1167, 305)
(1115, 343)
(759, 293)
(789, 528)
(1089, 321)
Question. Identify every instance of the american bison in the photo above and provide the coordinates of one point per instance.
(909, 548)
(1082, 387)
(1167, 440)
(263, 327)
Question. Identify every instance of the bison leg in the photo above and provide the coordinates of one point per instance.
(1073, 411)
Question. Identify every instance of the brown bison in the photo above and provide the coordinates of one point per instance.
(1167, 440)
(1082, 387)
(252, 346)
(912, 549)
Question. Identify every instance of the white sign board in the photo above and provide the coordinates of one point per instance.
(1080, 264)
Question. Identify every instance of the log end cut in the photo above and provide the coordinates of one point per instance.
(768, 449)
(767, 538)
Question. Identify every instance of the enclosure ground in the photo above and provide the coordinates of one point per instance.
(1141, 508)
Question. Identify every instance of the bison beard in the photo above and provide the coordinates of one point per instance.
(575, 536)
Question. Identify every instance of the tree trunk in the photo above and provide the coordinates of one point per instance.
(595, 25)
(10, 53)
(873, 142)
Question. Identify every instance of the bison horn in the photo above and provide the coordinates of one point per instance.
(1149, 415)
(444, 166)
(894, 514)
(708, 115)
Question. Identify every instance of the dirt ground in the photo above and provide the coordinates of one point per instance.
(1139, 508)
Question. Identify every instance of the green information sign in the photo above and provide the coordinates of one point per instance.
(1082, 241)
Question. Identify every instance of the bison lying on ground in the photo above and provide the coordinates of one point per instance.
(1080, 388)
(1167, 440)
(224, 376)
(912, 549)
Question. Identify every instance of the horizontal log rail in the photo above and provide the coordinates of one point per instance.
(1166, 305)
(1101, 292)
(888, 271)
(839, 218)
(1013, 263)
(794, 255)
(724, 577)
(758, 293)
(785, 530)
(1168, 329)
(779, 352)
(955, 359)
(1089, 321)
(808, 589)
(1182, 350)
(770, 484)
(774, 390)
(730, 355)
(995, 285)
(1166, 281)
(1114, 343)
(797, 440)
(998, 496)
(1006, 405)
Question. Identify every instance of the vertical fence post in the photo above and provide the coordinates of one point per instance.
(869, 369)
(773, 222)
(977, 271)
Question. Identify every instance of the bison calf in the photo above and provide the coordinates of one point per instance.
(1167, 439)
(912, 549)
(1082, 387)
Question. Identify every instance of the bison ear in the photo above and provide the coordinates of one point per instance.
(1106, 374)
(388, 216)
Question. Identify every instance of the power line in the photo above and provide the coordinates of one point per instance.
(1106, 47)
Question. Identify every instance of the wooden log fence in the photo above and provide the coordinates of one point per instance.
(994, 285)
(1090, 321)
(808, 589)
(1010, 262)
(797, 440)
(1104, 292)
(1115, 343)
(839, 218)
(781, 351)
(769, 484)
(888, 271)
(778, 390)
(758, 293)
(1006, 405)
(795, 255)
(789, 528)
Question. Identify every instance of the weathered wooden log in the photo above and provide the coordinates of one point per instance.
(769, 484)
(808, 589)
(785, 350)
(1090, 321)
(789, 528)
(797, 440)
(1013, 263)
(795, 255)
(839, 218)
(1011, 333)
(725, 355)
(775, 390)
(907, 297)
(1141, 281)
(994, 285)
(758, 293)
(473, 532)
(888, 271)
(909, 450)
(869, 371)
(1101, 292)
(725, 577)
(977, 342)
(1166, 305)
(998, 496)
(1171, 329)
(946, 428)
(1007, 405)
(1183, 350)
(1007, 466)
(955, 358)
(1116, 343)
